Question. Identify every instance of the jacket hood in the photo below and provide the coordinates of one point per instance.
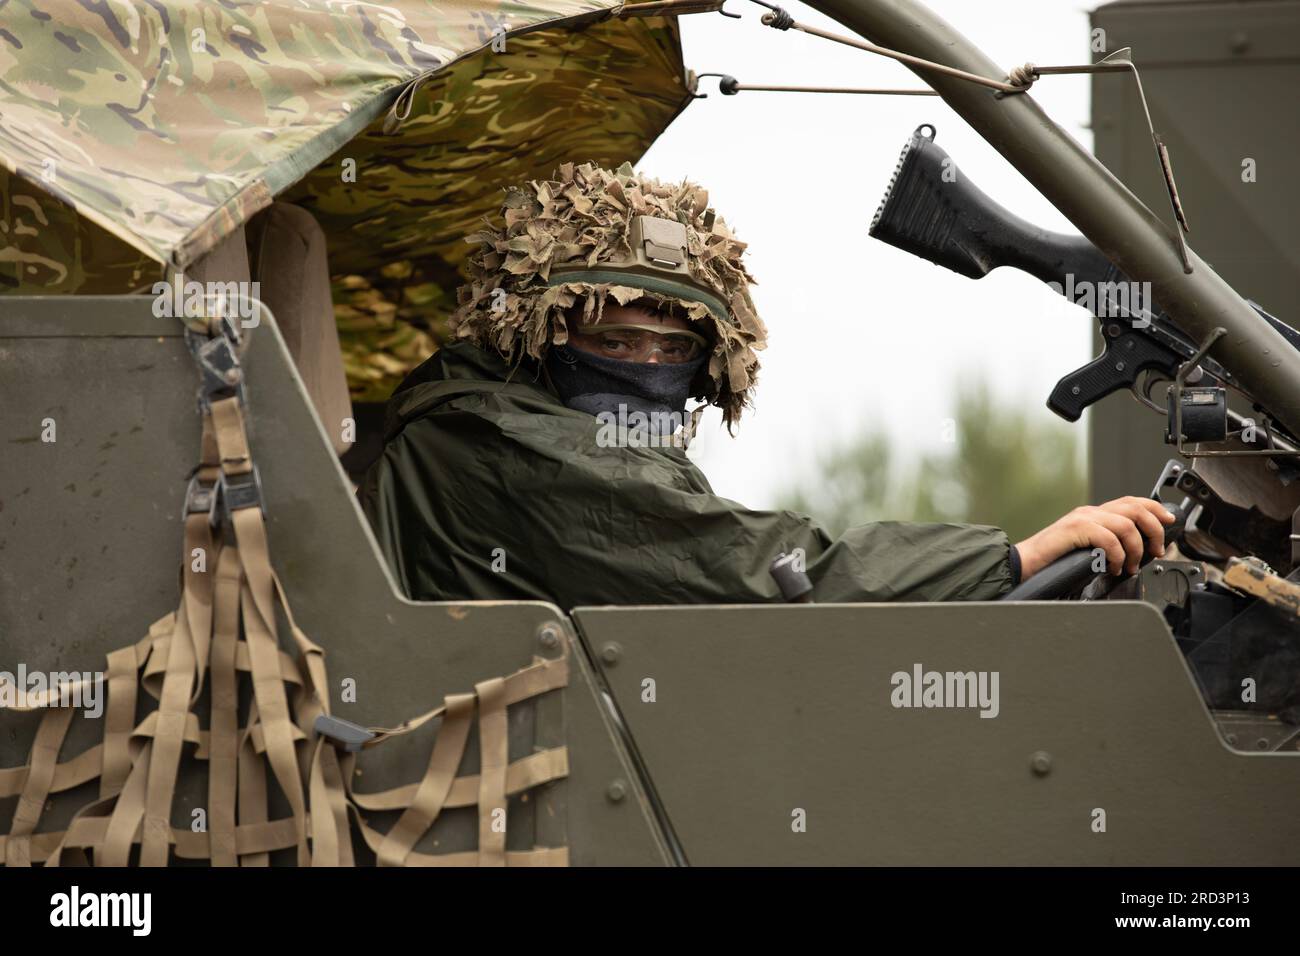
(461, 369)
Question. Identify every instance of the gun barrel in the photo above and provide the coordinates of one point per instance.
(1098, 204)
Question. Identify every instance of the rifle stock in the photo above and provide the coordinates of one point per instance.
(932, 212)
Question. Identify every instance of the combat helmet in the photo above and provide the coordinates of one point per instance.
(589, 234)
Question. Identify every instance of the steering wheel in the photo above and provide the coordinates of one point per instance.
(1067, 576)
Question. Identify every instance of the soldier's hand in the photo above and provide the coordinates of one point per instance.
(1118, 528)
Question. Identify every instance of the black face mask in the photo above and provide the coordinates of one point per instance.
(593, 384)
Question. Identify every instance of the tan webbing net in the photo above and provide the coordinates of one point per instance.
(225, 632)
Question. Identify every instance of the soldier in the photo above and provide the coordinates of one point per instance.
(539, 455)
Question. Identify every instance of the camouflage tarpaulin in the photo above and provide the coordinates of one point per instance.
(134, 134)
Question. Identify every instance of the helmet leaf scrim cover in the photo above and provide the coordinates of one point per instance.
(589, 235)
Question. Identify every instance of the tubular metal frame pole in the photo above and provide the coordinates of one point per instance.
(1086, 193)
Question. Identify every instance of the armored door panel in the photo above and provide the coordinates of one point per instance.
(802, 735)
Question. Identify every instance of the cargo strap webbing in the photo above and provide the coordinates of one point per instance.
(225, 626)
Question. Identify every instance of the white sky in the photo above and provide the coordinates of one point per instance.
(861, 332)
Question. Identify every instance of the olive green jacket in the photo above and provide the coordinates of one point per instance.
(491, 489)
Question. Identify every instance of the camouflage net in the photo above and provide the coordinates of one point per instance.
(582, 217)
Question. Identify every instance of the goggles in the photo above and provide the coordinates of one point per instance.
(639, 343)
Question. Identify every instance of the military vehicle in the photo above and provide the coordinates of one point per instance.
(149, 719)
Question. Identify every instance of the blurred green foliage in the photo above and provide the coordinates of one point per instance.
(1005, 466)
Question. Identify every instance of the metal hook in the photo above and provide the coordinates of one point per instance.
(777, 18)
(727, 85)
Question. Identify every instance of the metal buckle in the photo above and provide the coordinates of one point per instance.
(200, 499)
(350, 736)
(234, 493)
